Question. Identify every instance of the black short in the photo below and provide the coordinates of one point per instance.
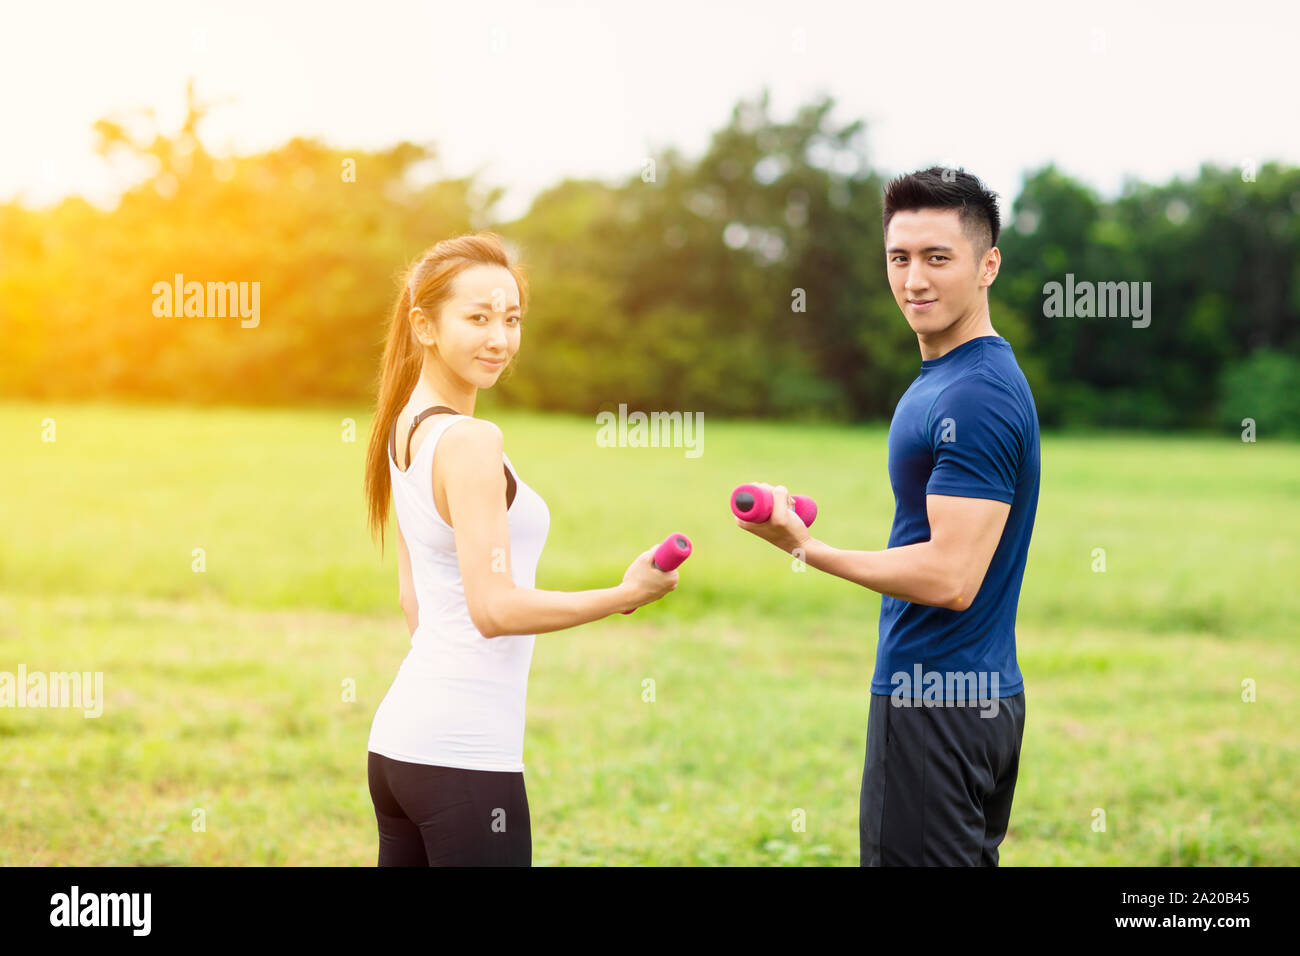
(938, 781)
(446, 816)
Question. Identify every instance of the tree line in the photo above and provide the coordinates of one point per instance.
(747, 281)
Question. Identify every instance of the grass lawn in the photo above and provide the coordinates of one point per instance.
(241, 696)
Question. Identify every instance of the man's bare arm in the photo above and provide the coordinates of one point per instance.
(945, 571)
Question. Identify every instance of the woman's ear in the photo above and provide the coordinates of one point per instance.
(422, 328)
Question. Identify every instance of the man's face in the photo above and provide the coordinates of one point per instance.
(933, 271)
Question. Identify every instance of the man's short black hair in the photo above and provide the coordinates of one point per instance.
(942, 188)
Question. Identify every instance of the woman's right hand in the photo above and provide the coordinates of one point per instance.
(644, 583)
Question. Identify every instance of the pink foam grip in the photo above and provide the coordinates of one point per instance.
(751, 503)
(672, 551)
(754, 504)
(675, 549)
(806, 509)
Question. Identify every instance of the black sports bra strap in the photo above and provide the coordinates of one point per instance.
(415, 423)
(510, 486)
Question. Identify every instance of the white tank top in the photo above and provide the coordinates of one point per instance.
(458, 698)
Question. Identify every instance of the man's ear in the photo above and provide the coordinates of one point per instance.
(992, 263)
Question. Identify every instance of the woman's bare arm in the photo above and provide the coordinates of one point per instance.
(406, 585)
(468, 463)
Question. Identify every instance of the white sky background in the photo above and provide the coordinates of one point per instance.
(532, 92)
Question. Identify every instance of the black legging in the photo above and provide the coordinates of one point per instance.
(446, 816)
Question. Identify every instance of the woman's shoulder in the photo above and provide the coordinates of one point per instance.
(473, 443)
(468, 430)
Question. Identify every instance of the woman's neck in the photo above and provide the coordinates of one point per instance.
(438, 386)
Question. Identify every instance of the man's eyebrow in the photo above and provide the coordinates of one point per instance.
(488, 306)
(926, 249)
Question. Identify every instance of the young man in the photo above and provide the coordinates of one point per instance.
(947, 701)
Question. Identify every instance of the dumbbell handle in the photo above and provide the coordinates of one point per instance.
(672, 551)
(754, 504)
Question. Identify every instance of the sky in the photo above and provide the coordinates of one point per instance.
(529, 93)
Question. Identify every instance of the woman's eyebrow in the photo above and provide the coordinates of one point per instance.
(488, 306)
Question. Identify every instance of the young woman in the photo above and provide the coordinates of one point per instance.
(445, 761)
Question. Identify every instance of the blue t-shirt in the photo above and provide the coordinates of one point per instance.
(967, 426)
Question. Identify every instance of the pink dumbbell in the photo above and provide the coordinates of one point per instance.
(754, 504)
(672, 551)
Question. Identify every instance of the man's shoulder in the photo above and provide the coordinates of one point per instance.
(977, 387)
(1000, 364)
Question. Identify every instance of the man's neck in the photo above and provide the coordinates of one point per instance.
(959, 333)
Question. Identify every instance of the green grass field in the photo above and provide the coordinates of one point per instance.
(225, 690)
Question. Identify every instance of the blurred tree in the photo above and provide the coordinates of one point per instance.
(326, 248)
(1221, 255)
(739, 280)
(1264, 387)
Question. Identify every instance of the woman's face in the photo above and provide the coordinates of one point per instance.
(477, 334)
